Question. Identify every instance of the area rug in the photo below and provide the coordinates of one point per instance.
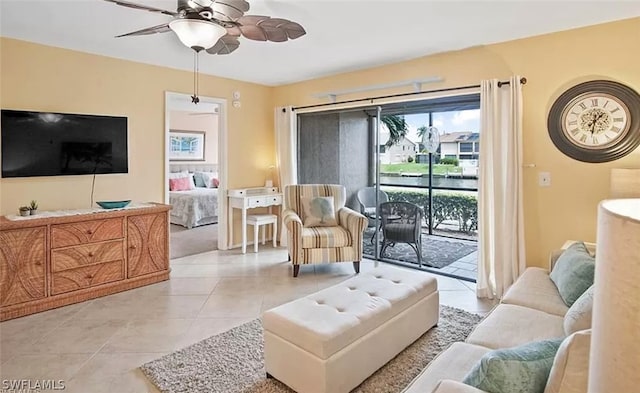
(436, 252)
(192, 241)
(233, 361)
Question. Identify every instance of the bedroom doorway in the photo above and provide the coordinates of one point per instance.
(195, 173)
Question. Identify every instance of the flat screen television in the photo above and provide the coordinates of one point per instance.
(55, 144)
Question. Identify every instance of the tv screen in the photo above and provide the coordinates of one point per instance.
(53, 144)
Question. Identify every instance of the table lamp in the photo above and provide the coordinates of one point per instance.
(615, 343)
(269, 178)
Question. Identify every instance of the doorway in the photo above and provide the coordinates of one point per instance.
(196, 149)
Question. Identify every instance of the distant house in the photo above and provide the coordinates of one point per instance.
(399, 152)
(460, 145)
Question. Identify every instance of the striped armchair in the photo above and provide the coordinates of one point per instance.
(342, 243)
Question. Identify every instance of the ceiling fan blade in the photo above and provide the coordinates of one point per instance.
(264, 28)
(292, 29)
(253, 32)
(142, 7)
(274, 34)
(229, 10)
(224, 46)
(149, 30)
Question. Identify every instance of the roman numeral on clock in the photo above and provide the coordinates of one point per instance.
(582, 105)
(617, 119)
(615, 110)
(583, 138)
(594, 102)
(573, 123)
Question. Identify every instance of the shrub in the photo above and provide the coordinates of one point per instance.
(456, 207)
(409, 159)
(449, 161)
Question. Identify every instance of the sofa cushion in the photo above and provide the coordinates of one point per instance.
(453, 363)
(325, 237)
(521, 369)
(509, 325)
(573, 273)
(534, 289)
(579, 315)
(570, 371)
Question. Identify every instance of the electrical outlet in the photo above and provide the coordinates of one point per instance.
(544, 179)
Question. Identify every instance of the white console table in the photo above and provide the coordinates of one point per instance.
(249, 198)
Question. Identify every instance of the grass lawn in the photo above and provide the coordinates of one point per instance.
(412, 167)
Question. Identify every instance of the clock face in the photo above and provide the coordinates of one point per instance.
(595, 120)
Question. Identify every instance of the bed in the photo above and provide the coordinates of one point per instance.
(195, 207)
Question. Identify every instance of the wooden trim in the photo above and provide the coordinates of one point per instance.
(20, 310)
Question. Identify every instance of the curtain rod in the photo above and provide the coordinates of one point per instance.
(523, 81)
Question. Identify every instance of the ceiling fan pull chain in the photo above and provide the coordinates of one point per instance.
(194, 97)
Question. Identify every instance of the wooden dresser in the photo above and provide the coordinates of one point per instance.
(51, 262)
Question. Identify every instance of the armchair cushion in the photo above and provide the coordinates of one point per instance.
(318, 211)
(325, 237)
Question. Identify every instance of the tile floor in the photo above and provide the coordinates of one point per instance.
(97, 346)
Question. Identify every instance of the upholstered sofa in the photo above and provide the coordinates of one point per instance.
(531, 310)
(322, 244)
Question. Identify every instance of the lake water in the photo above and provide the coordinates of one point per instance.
(441, 182)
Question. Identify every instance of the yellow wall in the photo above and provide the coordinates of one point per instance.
(551, 63)
(43, 78)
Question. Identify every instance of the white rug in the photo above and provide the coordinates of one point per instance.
(233, 361)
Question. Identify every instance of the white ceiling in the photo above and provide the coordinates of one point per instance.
(341, 35)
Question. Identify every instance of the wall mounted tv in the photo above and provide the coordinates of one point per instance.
(55, 144)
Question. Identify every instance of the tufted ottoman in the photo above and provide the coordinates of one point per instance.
(334, 339)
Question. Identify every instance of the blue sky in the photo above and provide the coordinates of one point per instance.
(445, 122)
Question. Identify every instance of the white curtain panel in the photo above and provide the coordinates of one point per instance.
(501, 257)
(286, 148)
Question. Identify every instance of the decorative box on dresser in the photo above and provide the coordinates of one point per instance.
(50, 262)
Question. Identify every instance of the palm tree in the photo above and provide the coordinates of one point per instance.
(397, 127)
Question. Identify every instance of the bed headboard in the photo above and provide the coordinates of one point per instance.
(194, 167)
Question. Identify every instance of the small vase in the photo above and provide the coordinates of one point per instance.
(33, 212)
(25, 212)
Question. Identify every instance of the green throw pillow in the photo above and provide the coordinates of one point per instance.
(573, 272)
(522, 369)
(198, 179)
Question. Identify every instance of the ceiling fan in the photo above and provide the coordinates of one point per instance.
(215, 25)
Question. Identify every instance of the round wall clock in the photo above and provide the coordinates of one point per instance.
(596, 121)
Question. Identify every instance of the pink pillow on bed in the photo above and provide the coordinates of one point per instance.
(214, 183)
(180, 184)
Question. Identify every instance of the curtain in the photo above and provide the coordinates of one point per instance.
(500, 214)
(286, 147)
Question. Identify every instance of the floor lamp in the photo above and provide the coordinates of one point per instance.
(615, 343)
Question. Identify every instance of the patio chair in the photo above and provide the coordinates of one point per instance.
(401, 222)
(367, 200)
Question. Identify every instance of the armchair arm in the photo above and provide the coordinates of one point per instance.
(450, 386)
(293, 223)
(355, 223)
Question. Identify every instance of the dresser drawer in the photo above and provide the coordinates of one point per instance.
(64, 235)
(85, 277)
(257, 201)
(271, 200)
(86, 254)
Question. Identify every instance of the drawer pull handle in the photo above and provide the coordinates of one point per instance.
(38, 263)
(91, 254)
(133, 247)
(89, 232)
(89, 276)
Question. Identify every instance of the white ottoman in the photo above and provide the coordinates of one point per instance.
(332, 340)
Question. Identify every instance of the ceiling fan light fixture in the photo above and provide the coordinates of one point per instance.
(197, 34)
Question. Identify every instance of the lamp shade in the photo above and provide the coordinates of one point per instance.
(625, 183)
(615, 347)
(197, 34)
